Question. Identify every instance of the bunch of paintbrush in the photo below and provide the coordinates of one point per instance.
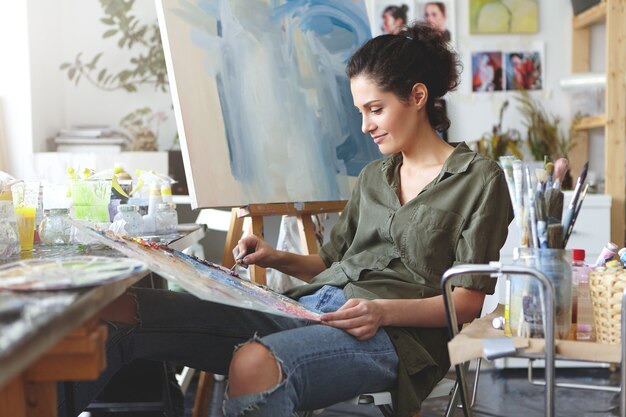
(538, 207)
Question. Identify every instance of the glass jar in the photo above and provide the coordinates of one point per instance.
(166, 219)
(54, 229)
(130, 214)
(9, 238)
(526, 315)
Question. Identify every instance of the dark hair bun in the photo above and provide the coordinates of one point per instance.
(417, 54)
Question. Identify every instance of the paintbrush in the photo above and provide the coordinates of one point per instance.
(555, 236)
(549, 171)
(532, 212)
(560, 168)
(542, 218)
(568, 232)
(554, 195)
(569, 213)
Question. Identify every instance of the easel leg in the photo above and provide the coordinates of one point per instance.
(203, 394)
(307, 234)
(232, 237)
(257, 273)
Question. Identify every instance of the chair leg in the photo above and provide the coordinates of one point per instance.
(386, 409)
(168, 409)
(454, 400)
(461, 378)
(476, 376)
(203, 394)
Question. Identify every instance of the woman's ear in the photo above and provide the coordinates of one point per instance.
(419, 95)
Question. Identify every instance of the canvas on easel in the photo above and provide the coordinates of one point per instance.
(263, 106)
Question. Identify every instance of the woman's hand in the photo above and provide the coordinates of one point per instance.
(253, 250)
(361, 318)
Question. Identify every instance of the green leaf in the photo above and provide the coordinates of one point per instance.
(130, 88)
(121, 42)
(95, 59)
(65, 66)
(71, 73)
(101, 74)
(109, 33)
(107, 21)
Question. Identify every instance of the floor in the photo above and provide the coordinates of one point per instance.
(505, 393)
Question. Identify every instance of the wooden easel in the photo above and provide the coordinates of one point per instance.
(303, 212)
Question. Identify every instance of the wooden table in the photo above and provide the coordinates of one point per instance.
(62, 342)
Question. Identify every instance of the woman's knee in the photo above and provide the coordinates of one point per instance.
(253, 369)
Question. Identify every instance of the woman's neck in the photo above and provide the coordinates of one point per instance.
(428, 150)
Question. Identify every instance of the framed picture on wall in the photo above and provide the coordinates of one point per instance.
(391, 15)
(487, 71)
(502, 16)
(438, 14)
(524, 71)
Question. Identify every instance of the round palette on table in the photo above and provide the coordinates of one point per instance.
(65, 273)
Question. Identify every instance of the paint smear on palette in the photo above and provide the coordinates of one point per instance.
(203, 279)
(291, 130)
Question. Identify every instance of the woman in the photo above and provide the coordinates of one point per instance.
(412, 215)
(394, 19)
(435, 15)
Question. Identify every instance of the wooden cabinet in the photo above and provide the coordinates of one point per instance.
(613, 12)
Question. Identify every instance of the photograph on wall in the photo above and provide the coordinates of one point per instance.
(503, 16)
(391, 15)
(439, 15)
(487, 71)
(262, 102)
(524, 71)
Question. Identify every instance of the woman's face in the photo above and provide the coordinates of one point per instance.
(434, 17)
(390, 122)
(390, 25)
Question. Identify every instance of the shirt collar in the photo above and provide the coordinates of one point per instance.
(460, 159)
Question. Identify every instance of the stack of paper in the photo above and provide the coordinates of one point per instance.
(90, 138)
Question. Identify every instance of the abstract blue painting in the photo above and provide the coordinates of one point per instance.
(263, 106)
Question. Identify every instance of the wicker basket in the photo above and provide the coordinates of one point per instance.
(607, 289)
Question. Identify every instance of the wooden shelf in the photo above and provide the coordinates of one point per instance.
(613, 14)
(590, 16)
(590, 122)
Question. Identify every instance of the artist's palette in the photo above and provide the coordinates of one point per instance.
(204, 279)
(65, 273)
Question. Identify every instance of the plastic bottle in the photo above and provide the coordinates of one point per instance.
(584, 316)
(622, 255)
(609, 251)
(166, 192)
(149, 220)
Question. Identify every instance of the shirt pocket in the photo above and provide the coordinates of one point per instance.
(364, 261)
(429, 241)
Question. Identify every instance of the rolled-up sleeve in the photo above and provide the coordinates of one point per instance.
(485, 233)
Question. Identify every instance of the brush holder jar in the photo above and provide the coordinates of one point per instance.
(526, 296)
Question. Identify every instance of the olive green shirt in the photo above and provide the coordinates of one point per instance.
(382, 249)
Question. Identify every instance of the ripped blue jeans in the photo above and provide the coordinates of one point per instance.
(321, 365)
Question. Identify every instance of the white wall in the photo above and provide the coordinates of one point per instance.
(15, 83)
(45, 25)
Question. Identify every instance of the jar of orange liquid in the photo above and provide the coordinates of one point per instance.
(25, 201)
